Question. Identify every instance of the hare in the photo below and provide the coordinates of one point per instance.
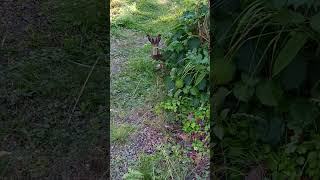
(156, 55)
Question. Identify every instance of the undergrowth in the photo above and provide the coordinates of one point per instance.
(266, 89)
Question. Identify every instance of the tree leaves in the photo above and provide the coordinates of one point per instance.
(290, 50)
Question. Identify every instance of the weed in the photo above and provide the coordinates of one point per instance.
(166, 163)
(121, 132)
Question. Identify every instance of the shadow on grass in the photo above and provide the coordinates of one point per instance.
(46, 136)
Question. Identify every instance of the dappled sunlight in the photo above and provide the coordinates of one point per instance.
(145, 15)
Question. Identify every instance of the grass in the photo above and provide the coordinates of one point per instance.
(145, 15)
(45, 137)
(166, 163)
(121, 132)
(138, 84)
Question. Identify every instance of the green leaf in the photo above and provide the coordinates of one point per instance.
(224, 114)
(269, 93)
(218, 131)
(248, 80)
(223, 71)
(300, 160)
(298, 3)
(290, 148)
(202, 85)
(294, 74)
(194, 43)
(169, 84)
(288, 53)
(279, 3)
(220, 95)
(200, 77)
(188, 79)
(248, 57)
(179, 83)
(315, 22)
(315, 91)
(302, 113)
(286, 16)
(243, 92)
(194, 91)
(275, 130)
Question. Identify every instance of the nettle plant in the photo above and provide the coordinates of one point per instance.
(187, 83)
(266, 61)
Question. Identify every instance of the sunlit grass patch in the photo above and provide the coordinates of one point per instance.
(145, 15)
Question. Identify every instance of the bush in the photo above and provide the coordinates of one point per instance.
(266, 87)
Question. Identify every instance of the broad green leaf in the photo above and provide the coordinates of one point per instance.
(288, 53)
(224, 114)
(315, 22)
(269, 93)
(220, 95)
(194, 43)
(286, 16)
(298, 3)
(275, 130)
(179, 83)
(279, 3)
(169, 84)
(290, 148)
(218, 131)
(294, 74)
(221, 29)
(315, 91)
(243, 92)
(248, 80)
(194, 91)
(223, 71)
(302, 113)
(202, 85)
(248, 57)
(188, 79)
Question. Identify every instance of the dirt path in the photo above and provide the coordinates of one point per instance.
(145, 138)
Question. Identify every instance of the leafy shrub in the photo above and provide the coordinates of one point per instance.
(187, 83)
(266, 85)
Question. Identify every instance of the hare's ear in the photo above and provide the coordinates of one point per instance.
(158, 38)
(149, 38)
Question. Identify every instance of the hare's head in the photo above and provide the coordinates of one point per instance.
(155, 45)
